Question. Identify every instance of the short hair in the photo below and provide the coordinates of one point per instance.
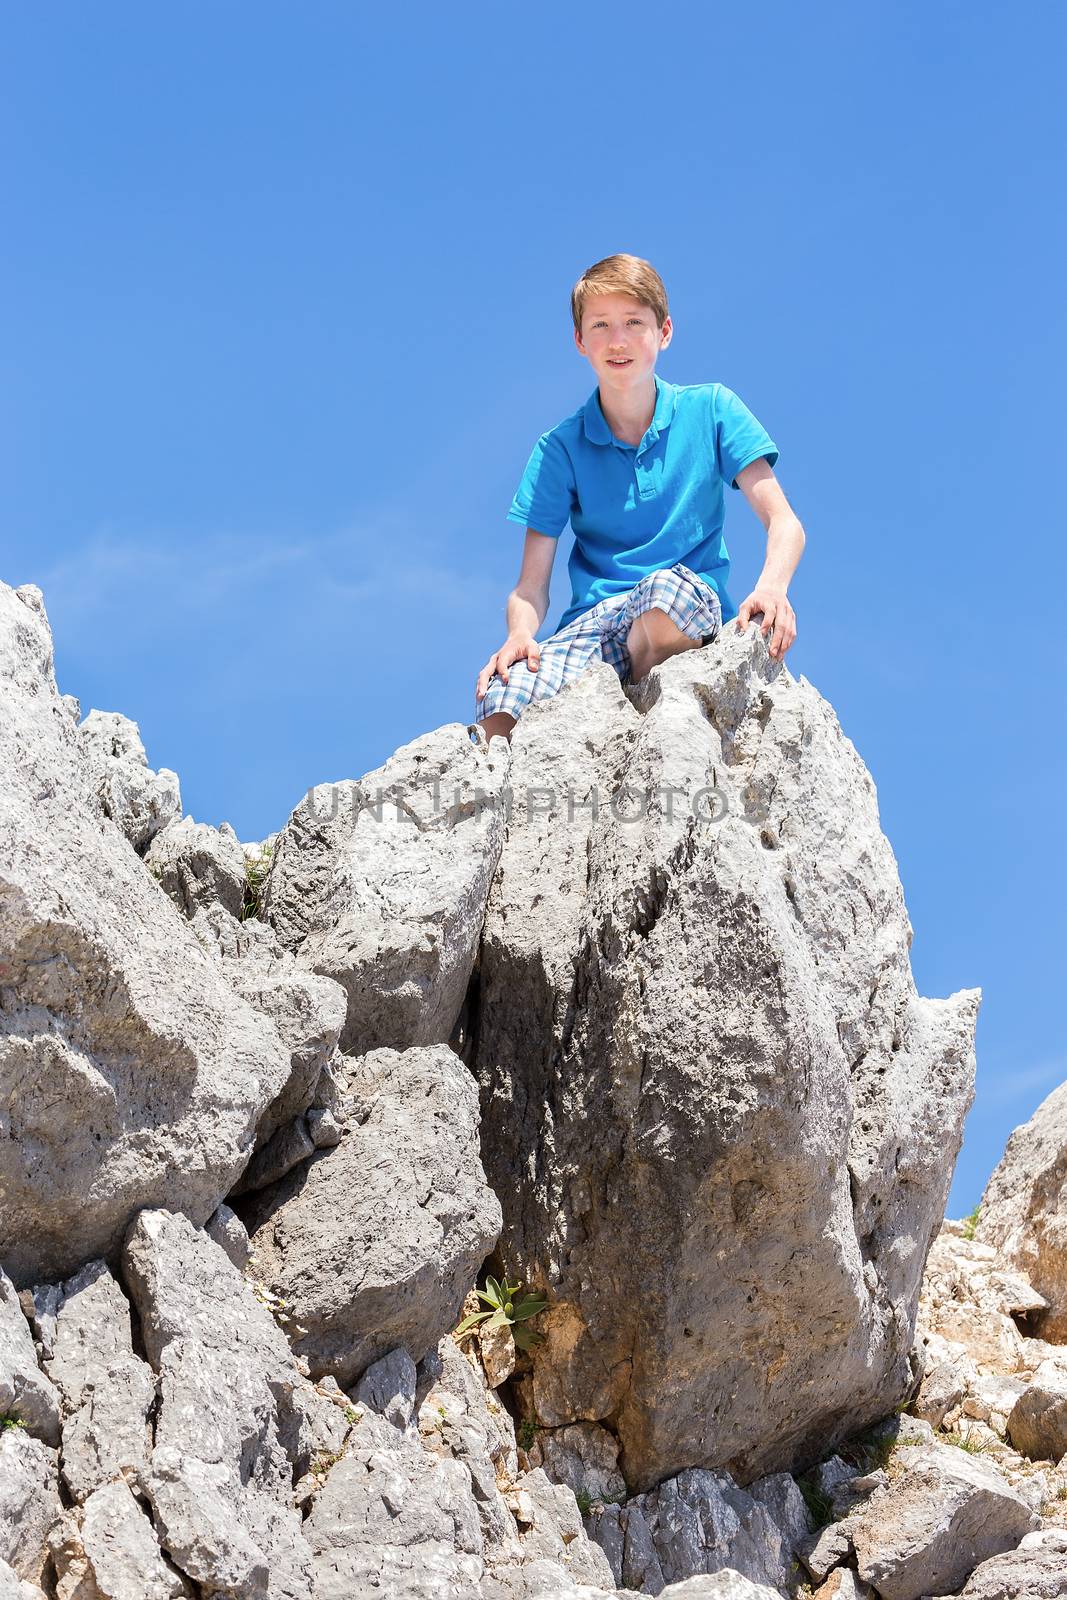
(621, 274)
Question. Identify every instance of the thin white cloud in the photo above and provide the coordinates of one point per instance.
(1029, 1084)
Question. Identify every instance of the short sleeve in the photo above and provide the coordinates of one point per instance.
(546, 496)
(739, 438)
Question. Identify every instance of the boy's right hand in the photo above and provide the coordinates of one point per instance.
(513, 649)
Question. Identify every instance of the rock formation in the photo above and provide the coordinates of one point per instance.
(622, 1014)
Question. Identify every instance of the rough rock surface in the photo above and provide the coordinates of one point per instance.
(720, 1119)
(375, 1243)
(382, 884)
(1024, 1208)
(236, 1421)
(138, 800)
(107, 1390)
(130, 1072)
(928, 1529)
(26, 1394)
(701, 1521)
(199, 866)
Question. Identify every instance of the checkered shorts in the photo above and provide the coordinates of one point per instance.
(601, 634)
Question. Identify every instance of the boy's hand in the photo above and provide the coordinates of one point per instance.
(777, 614)
(523, 645)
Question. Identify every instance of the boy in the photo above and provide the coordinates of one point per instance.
(639, 472)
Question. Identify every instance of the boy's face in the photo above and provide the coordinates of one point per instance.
(621, 340)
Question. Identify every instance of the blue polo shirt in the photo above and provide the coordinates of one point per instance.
(636, 508)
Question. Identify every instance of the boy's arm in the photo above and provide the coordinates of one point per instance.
(785, 545)
(527, 608)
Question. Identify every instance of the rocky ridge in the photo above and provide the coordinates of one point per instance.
(271, 1112)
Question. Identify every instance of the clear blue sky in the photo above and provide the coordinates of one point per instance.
(286, 291)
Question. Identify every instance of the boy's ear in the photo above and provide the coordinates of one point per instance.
(578, 341)
(666, 333)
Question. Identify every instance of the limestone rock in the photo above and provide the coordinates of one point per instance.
(107, 1390)
(382, 883)
(29, 1501)
(108, 1550)
(237, 1420)
(720, 1119)
(230, 1234)
(198, 866)
(26, 1394)
(1035, 1574)
(1037, 1423)
(130, 1072)
(138, 800)
(699, 1522)
(927, 1532)
(1024, 1208)
(374, 1243)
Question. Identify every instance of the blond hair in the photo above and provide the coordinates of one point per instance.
(621, 274)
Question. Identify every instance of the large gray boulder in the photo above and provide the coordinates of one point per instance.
(721, 1121)
(130, 1072)
(928, 1530)
(198, 866)
(27, 1395)
(237, 1422)
(1024, 1208)
(139, 801)
(376, 1242)
(382, 884)
(86, 1339)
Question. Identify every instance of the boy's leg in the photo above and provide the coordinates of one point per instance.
(652, 639)
(499, 722)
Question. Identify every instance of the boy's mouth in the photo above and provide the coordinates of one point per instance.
(624, 363)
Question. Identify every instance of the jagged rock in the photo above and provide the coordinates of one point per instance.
(843, 1584)
(29, 1501)
(1033, 1574)
(12, 1587)
(585, 1456)
(199, 866)
(943, 1515)
(307, 1010)
(382, 883)
(390, 1519)
(1023, 1211)
(26, 1394)
(970, 1300)
(230, 1234)
(236, 1420)
(1037, 1422)
(375, 1243)
(108, 1550)
(107, 1390)
(720, 1119)
(133, 1074)
(138, 800)
(701, 1522)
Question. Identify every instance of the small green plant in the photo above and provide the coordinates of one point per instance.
(585, 1500)
(1061, 1492)
(257, 868)
(351, 1414)
(506, 1310)
(970, 1222)
(870, 1449)
(527, 1433)
(817, 1501)
(967, 1441)
(11, 1422)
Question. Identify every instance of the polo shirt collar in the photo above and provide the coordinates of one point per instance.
(596, 424)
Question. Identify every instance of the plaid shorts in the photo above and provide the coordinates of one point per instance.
(601, 634)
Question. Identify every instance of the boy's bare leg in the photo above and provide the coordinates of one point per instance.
(499, 722)
(652, 638)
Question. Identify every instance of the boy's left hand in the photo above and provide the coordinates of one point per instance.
(777, 614)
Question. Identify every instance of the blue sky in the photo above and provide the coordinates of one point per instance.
(287, 304)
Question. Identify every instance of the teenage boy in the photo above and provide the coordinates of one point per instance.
(639, 472)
